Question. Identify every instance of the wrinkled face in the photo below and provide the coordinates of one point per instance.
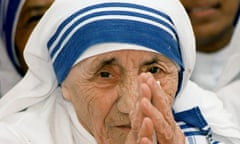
(104, 89)
(30, 14)
(212, 21)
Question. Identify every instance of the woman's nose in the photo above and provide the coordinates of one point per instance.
(128, 94)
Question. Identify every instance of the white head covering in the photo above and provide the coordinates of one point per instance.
(9, 66)
(69, 32)
(40, 81)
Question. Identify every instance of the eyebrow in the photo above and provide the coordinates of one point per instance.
(152, 61)
(112, 60)
(36, 11)
(107, 61)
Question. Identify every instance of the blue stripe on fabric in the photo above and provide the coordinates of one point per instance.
(192, 117)
(8, 27)
(104, 13)
(193, 124)
(180, 78)
(184, 126)
(195, 133)
(126, 5)
(191, 131)
(215, 142)
(194, 136)
(187, 127)
(123, 31)
(237, 16)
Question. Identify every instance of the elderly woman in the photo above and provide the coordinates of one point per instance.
(108, 72)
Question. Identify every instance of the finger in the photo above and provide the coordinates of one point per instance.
(145, 91)
(145, 141)
(146, 132)
(150, 87)
(161, 100)
(165, 130)
(160, 111)
(143, 135)
(136, 115)
(146, 128)
(157, 95)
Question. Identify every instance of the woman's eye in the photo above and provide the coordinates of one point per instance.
(154, 70)
(34, 18)
(105, 74)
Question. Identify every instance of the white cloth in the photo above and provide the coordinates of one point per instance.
(8, 74)
(229, 84)
(209, 67)
(49, 119)
(49, 122)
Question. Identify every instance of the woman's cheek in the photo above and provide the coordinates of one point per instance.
(170, 85)
(97, 104)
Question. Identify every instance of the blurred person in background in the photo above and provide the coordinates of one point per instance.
(17, 20)
(217, 29)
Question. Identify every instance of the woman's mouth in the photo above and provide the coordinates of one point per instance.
(125, 128)
(203, 11)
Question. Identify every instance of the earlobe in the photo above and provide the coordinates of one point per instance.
(65, 92)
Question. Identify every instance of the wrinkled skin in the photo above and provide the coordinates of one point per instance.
(118, 101)
(30, 14)
(212, 22)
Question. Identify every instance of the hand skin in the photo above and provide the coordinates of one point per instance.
(153, 112)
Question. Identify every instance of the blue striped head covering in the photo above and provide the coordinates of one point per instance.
(112, 22)
(237, 15)
(9, 14)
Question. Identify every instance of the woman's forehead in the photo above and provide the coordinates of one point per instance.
(140, 57)
(123, 54)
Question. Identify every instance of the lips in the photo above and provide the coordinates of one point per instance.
(203, 10)
(126, 128)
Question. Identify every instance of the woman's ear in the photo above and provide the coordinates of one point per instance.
(65, 91)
